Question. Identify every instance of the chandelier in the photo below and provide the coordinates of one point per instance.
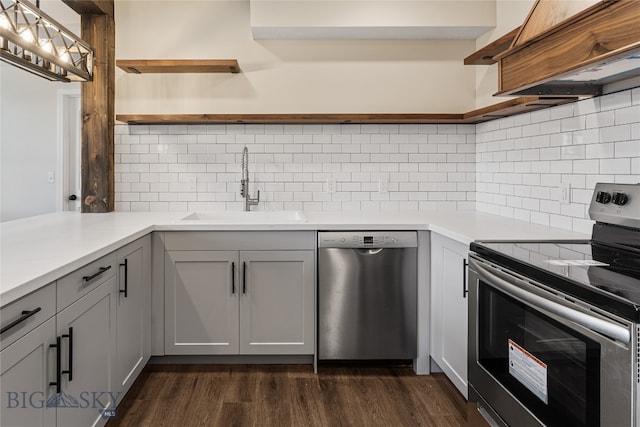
(35, 42)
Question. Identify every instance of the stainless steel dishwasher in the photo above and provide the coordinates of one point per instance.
(367, 295)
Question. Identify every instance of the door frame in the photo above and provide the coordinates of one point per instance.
(62, 142)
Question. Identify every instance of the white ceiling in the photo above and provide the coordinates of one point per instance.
(61, 13)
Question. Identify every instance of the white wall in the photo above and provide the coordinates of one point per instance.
(522, 160)
(281, 76)
(28, 133)
(510, 14)
(28, 143)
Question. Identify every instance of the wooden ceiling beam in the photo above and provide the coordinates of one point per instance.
(91, 7)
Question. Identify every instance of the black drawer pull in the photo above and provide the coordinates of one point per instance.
(96, 274)
(70, 371)
(244, 277)
(24, 316)
(465, 289)
(58, 381)
(126, 280)
(233, 277)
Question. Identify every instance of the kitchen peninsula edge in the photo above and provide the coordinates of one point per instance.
(38, 250)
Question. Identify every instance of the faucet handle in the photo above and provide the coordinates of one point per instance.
(254, 202)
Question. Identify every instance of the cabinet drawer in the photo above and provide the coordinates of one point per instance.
(83, 280)
(27, 313)
(239, 240)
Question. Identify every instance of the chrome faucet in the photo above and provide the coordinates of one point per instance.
(244, 183)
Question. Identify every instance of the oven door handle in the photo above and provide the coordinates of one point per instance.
(604, 327)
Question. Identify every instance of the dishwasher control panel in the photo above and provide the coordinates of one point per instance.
(367, 239)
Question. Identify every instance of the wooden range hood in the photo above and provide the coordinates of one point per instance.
(559, 51)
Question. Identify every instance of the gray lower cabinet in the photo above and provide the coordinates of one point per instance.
(239, 302)
(87, 328)
(26, 368)
(449, 303)
(133, 312)
(201, 302)
(73, 348)
(277, 302)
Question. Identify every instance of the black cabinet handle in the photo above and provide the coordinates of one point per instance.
(58, 381)
(126, 277)
(23, 316)
(96, 274)
(465, 289)
(69, 372)
(73, 197)
(244, 277)
(233, 277)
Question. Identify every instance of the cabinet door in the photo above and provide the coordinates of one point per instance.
(133, 312)
(277, 302)
(201, 302)
(449, 304)
(88, 388)
(26, 368)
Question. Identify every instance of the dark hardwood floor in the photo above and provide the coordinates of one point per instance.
(289, 395)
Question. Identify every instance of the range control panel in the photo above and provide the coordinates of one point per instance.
(367, 239)
(616, 204)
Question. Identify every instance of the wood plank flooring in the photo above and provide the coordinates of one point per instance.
(289, 395)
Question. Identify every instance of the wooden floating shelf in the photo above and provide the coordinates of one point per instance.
(140, 66)
(485, 55)
(287, 118)
(512, 107)
(502, 109)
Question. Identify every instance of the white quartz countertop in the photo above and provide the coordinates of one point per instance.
(38, 250)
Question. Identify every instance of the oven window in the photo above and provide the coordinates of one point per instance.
(550, 368)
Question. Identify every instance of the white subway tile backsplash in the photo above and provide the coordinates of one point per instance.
(291, 163)
(615, 166)
(597, 141)
(562, 111)
(615, 133)
(573, 123)
(627, 149)
(601, 119)
(615, 100)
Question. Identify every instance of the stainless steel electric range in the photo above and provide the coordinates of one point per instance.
(553, 326)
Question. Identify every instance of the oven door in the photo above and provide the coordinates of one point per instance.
(540, 358)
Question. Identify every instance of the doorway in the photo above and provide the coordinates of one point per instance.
(69, 150)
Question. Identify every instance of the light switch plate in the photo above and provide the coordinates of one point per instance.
(564, 193)
(383, 186)
(330, 185)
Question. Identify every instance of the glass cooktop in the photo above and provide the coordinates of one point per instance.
(605, 276)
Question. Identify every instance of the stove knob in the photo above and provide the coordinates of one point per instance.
(603, 197)
(620, 199)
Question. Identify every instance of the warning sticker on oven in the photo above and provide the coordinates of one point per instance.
(577, 262)
(529, 370)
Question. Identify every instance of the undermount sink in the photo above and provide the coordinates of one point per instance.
(243, 217)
